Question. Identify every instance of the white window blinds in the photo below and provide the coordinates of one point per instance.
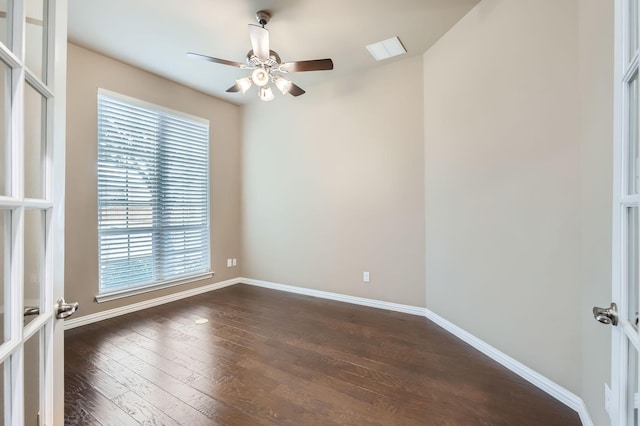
(153, 194)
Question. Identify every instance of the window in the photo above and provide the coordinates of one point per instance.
(153, 195)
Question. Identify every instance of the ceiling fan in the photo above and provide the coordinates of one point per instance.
(266, 64)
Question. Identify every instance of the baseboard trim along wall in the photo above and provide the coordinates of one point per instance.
(560, 393)
(134, 307)
(563, 395)
(413, 310)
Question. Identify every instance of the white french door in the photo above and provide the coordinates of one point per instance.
(32, 151)
(626, 219)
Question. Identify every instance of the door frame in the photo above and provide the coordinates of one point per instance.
(58, 114)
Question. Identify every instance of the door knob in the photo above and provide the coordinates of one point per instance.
(31, 310)
(606, 315)
(64, 309)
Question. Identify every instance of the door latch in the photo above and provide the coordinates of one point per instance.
(606, 315)
(64, 309)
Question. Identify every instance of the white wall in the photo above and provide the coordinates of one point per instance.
(333, 186)
(503, 233)
(508, 147)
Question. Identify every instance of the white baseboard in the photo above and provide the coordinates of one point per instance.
(110, 313)
(560, 393)
(407, 309)
(563, 395)
(583, 412)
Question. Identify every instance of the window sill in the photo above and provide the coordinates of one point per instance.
(120, 294)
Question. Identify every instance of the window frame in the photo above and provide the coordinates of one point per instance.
(107, 294)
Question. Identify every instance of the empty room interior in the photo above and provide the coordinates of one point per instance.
(417, 239)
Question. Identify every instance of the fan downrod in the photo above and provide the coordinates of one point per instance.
(263, 17)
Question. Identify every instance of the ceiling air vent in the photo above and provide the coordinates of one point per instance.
(386, 49)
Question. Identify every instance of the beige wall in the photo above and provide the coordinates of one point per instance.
(506, 151)
(333, 186)
(503, 234)
(86, 72)
(596, 132)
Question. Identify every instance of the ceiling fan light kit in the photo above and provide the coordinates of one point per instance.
(266, 64)
(244, 84)
(260, 77)
(266, 94)
(283, 84)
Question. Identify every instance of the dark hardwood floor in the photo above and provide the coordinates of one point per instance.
(272, 358)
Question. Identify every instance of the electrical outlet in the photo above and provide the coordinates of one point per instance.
(229, 263)
(365, 277)
(234, 262)
(607, 400)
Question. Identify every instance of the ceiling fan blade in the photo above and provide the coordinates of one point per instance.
(259, 41)
(312, 65)
(216, 60)
(296, 90)
(233, 89)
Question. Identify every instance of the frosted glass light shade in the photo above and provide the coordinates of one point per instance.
(283, 84)
(244, 84)
(266, 94)
(260, 77)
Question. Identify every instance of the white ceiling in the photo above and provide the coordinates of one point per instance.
(155, 35)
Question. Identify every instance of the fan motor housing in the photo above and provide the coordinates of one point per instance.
(263, 17)
(273, 61)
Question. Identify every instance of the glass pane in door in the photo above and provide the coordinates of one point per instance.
(2, 387)
(632, 184)
(5, 261)
(35, 37)
(633, 278)
(5, 147)
(632, 387)
(34, 244)
(5, 23)
(34, 144)
(633, 29)
(32, 380)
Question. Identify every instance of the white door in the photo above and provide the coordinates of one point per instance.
(32, 151)
(623, 312)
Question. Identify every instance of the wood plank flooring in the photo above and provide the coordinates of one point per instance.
(272, 358)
